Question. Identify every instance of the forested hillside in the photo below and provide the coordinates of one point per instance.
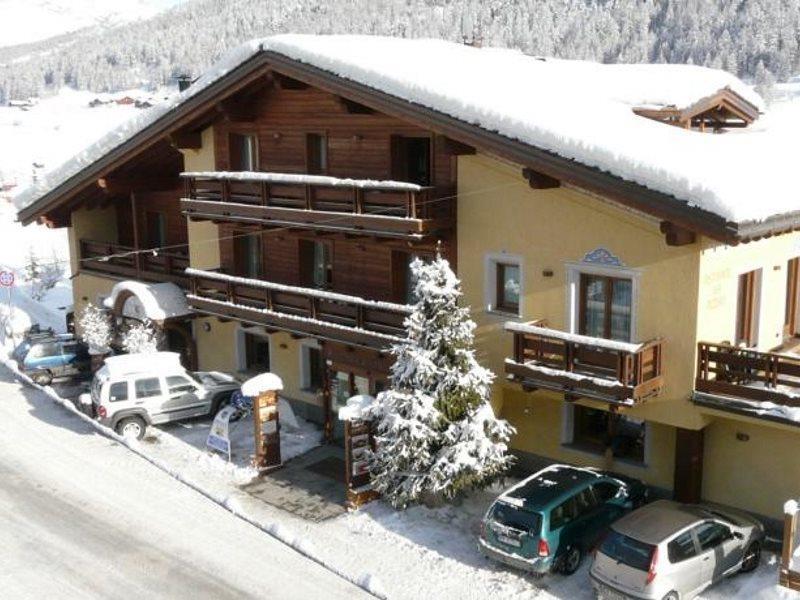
(756, 39)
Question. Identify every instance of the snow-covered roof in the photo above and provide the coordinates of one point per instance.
(575, 109)
(154, 301)
(262, 383)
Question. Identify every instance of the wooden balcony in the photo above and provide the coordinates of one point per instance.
(739, 379)
(306, 312)
(115, 260)
(583, 366)
(374, 208)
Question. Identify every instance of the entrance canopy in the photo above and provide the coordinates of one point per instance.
(155, 301)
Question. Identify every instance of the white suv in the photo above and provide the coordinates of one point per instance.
(132, 391)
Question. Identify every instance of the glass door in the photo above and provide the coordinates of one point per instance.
(606, 307)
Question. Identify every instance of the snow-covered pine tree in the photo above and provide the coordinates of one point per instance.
(140, 338)
(95, 328)
(436, 433)
(33, 275)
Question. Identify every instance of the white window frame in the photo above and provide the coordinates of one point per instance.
(305, 363)
(241, 346)
(574, 272)
(490, 262)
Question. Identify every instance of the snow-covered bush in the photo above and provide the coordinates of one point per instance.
(436, 433)
(95, 329)
(140, 338)
(42, 276)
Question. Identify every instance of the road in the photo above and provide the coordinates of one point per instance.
(83, 517)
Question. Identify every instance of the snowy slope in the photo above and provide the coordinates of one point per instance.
(23, 21)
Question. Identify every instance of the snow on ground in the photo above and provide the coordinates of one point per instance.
(417, 553)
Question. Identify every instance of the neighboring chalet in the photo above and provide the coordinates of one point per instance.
(635, 284)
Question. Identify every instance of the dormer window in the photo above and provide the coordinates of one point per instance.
(718, 112)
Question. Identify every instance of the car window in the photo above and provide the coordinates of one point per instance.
(584, 501)
(147, 388)
(516, 518)
(118, 391)
(43, 350)
(177, 384)
(605, 491)
(710, 534)
(627, 550)
(563, 514)
(681, 548)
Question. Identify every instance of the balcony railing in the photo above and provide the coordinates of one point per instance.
(583, 366)
(298, 310)
(117, 260)
(749, 375)
(381, 208)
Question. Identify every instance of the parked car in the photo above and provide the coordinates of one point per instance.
(132, 391)
(45, 356)
(673, 551)
(550, 520)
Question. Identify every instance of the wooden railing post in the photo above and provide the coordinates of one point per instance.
(225, 186)
(569, 356)
(309, 197)
(360, 317)
(358, 200)
(313, 307)
(264, 193)
(411, 207)
(229, 292)
(268, 299)
(188, 187)
(518, 358)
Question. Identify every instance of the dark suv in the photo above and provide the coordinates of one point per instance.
(45, 356)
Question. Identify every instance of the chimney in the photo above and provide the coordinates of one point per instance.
(184, 81)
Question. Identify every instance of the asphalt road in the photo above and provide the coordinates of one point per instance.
(83, 517)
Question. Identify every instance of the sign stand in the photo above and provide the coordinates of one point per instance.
(266, 431)
(358, 444)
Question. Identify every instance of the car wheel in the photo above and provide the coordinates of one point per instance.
(671, 596)
(132, 428)
(752, 557)
(42, 378)
(571, 560)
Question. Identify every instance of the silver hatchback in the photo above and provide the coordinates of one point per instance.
(672, 551)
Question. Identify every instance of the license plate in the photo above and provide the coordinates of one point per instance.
(508, 541)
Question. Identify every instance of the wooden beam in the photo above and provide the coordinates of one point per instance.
(191, 140)
(126, 185)
(355, 108)
(676, 235)
(237, 111)
(540, 181)
(285, 82)
(456, 148)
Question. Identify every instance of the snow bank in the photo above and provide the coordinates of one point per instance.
(260, 384)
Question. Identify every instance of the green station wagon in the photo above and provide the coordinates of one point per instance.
(548, 521)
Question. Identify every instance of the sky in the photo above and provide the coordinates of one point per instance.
(23, 21)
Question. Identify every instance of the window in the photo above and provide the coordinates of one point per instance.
(316, 154)
(710, 534)
(593, 431)
(403, 278)
(156, 229)
(256, 353)
(312, 368)
(627, 550)
(243, 152)
(681, 548)
(503, 283)
(411, 159)
(147, 388)
(584, 502)
(118, 392)
(605, 307)
(44, 350)
(316, 264)
(791, 321)
(747, 308)
(563, 514)
(516, 518)
(508, 288)
(247, 258)
(605, 491)
(178, 384)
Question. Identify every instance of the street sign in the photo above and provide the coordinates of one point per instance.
(6, 278)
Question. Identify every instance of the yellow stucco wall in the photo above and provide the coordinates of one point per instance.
(720, 267)
(99, 224)
(758, 472)
(203, 235)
